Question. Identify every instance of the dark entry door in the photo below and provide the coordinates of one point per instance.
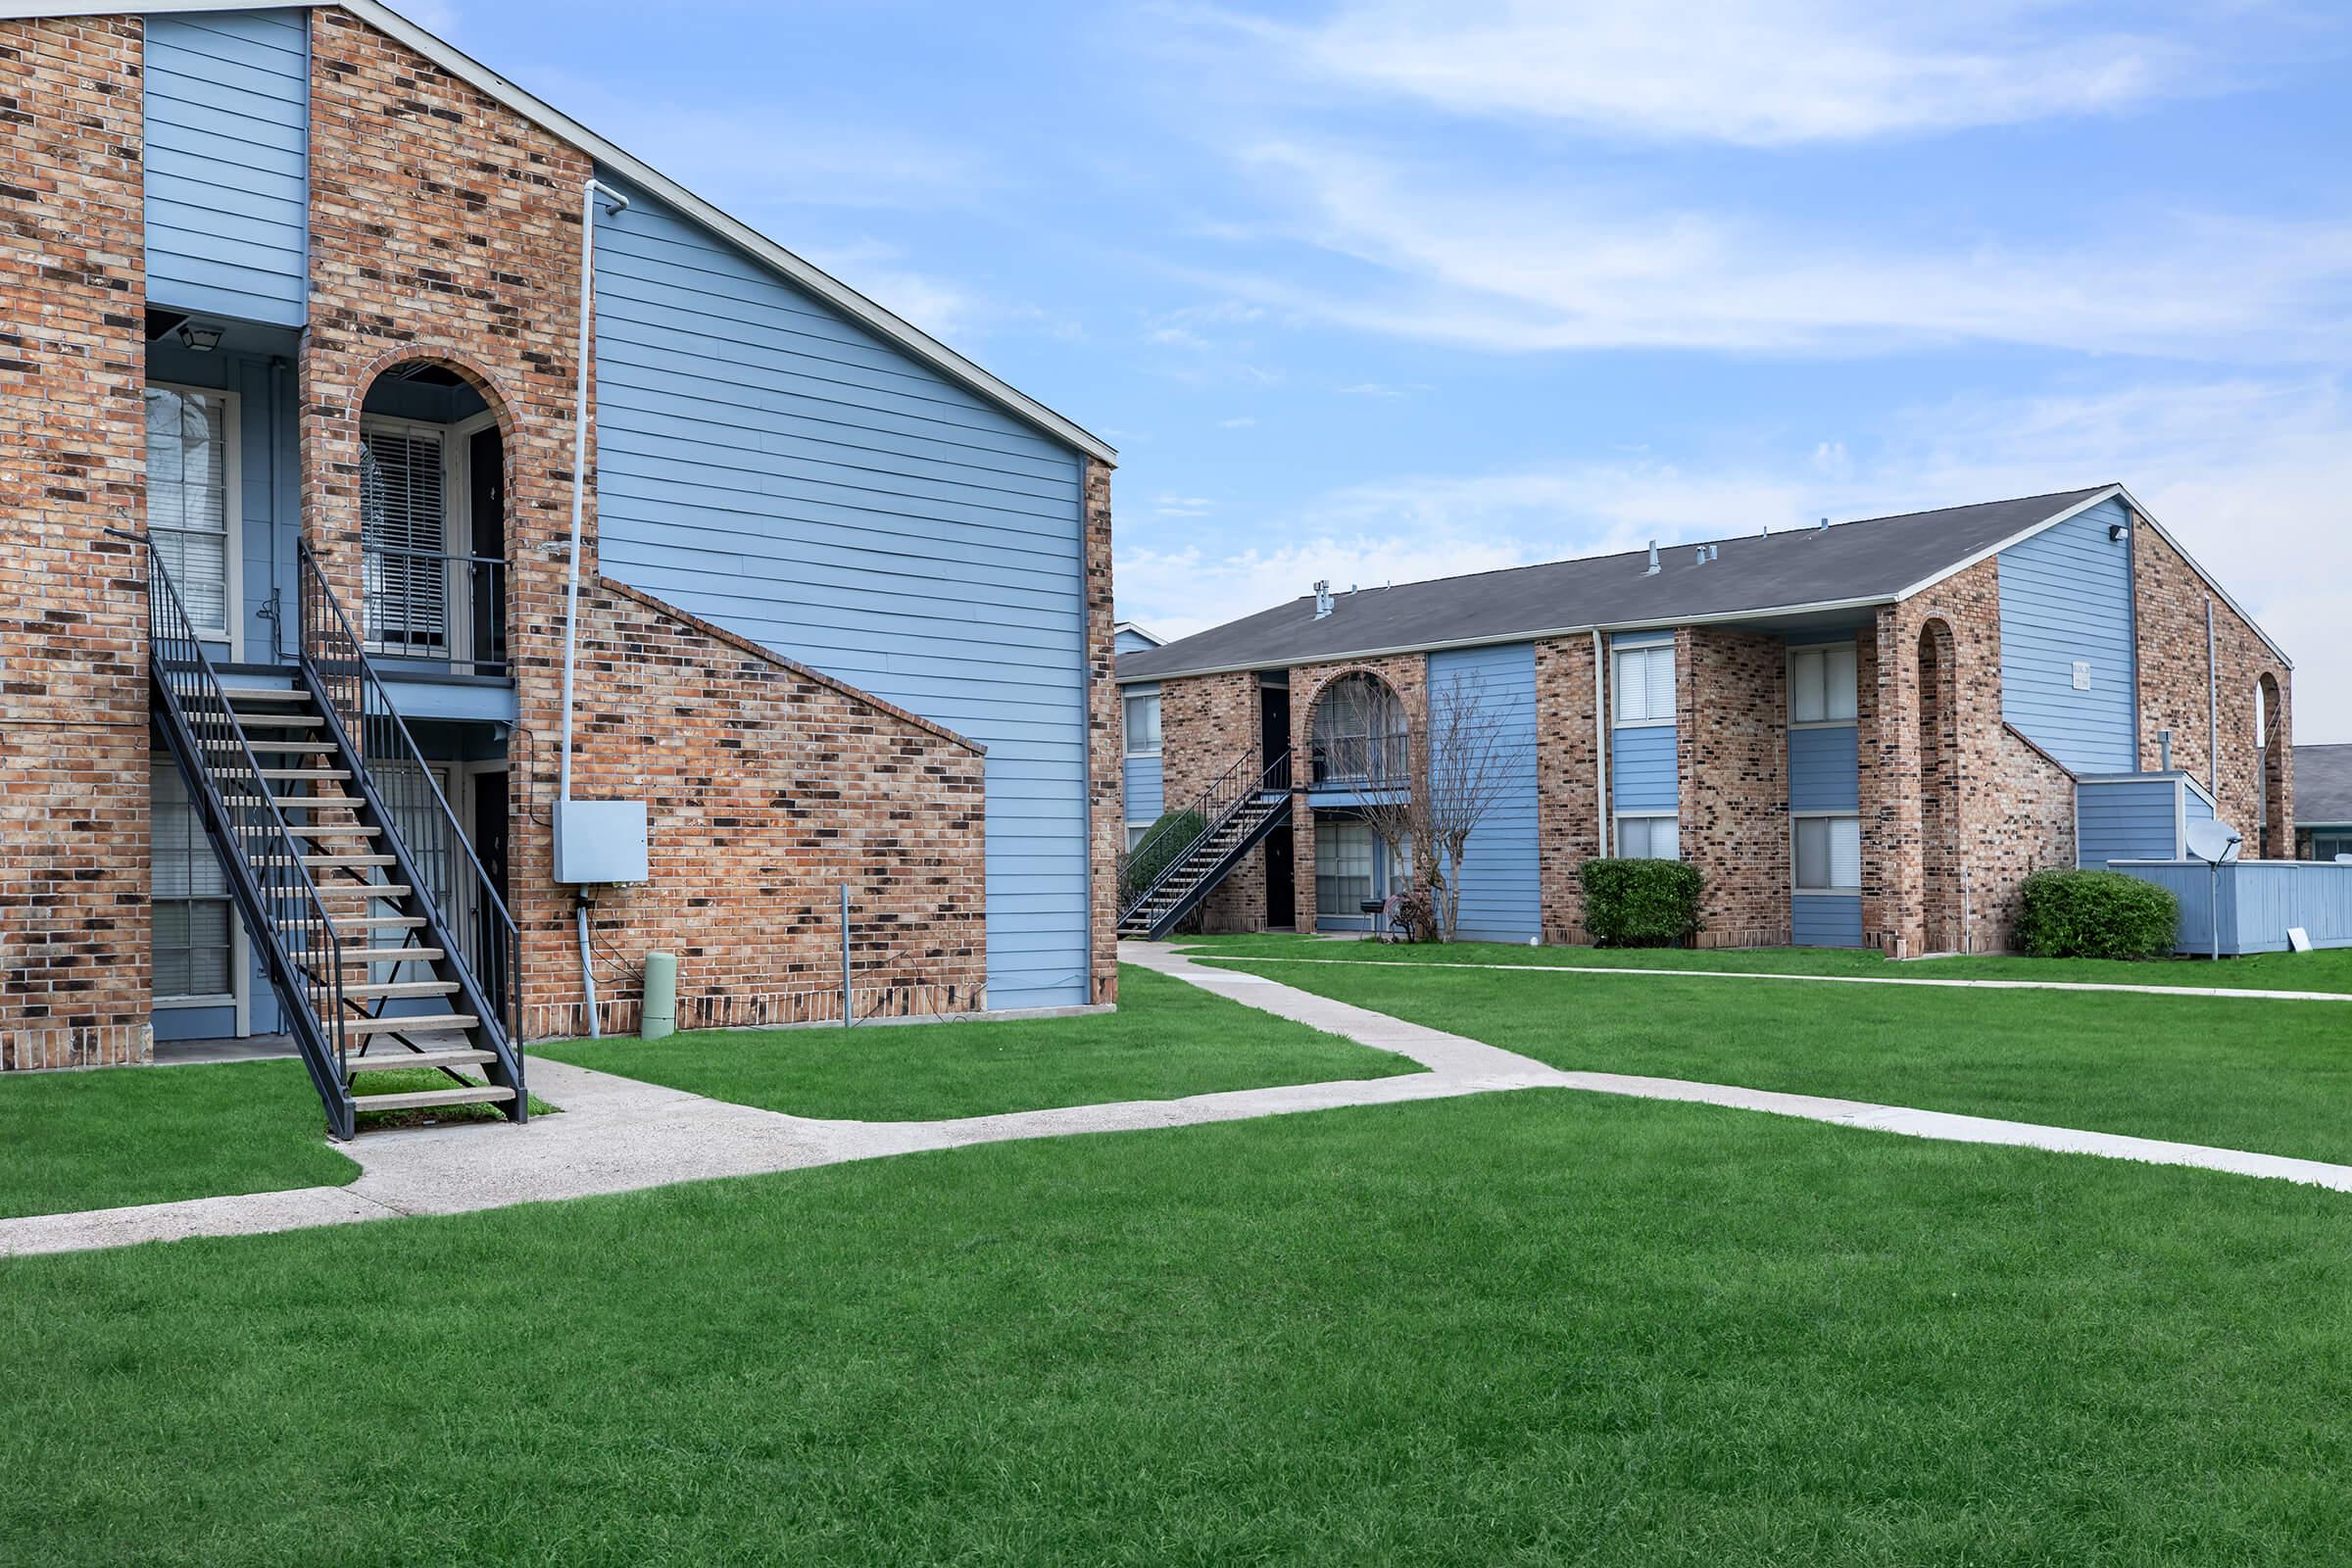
(490, 848)
(1274, 739)
(486, 466)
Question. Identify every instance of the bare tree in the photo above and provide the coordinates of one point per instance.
(1458, 766)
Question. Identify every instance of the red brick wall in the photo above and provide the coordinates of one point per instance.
(1568, 808)
(1408, 675)
(1943, 861)
(1731, 761)
(1106, 775)
(2170, 600)
(768, 786)
(445, 226)
(73, 756)
(1205, 723)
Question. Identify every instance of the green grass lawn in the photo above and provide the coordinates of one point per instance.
(1533, 1328)
(1167, 1039)
(2274, 1076)
(151, 1135)
(2331, 970)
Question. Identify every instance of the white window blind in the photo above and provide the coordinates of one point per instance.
(1822, 685)
(193, 938)
(1649, 838)
(187, 498)
(1344, 851)
(1645, 685)
(403, 524)
(1829, 854)
(1143, 725)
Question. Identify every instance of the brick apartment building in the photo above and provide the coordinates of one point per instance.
(290, 366)
(1863, 735)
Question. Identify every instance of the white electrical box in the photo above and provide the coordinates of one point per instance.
(601, 840)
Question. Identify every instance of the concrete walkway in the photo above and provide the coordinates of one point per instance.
(2227, 993)
(617, 1135)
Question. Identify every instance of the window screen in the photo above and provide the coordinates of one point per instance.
(1822, 685)
(193, 938)
(1649, 838)
(1644, 685)
(187, 498)
(1829, 854)
(403, 526)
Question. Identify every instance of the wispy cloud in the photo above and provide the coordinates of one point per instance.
(2251, 475)
(1760, 73)
(1463, 260)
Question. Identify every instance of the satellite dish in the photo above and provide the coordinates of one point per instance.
(2213, 842)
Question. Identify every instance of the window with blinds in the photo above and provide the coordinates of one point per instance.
(1821, 685)
(1829, 854)
(194, 941)
(1344, 851)
(404, 528)
(1649, 838)
(189, 498)
(1645, 685)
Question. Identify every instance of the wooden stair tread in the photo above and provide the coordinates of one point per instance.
(320, 830)
(416, 1100)
(265, 694)
(439, 1023)
(361, 922)
(391, 1062)
(320, 774)
(345, 890)
(394, 955)
(400, 988)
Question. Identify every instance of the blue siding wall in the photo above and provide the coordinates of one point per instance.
(769, 465)
(227, 164)
(2126, 819)
(1825, 771)
(1501, 886)
(1641, 772)
(1826, 921)
(1144, 795)
(2066, 596)
(1127, 641)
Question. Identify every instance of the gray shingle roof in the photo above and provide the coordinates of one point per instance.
(1847, 563)
(2323, 783)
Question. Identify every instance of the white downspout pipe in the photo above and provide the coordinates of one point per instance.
(615, 202)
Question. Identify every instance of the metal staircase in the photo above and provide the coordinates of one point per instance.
(383, 937)
(1244, 805)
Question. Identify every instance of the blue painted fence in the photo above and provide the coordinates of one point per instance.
(2254, 902)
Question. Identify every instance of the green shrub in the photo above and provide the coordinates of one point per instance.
(1640, 903)
(2096, 915)
(1164, 841)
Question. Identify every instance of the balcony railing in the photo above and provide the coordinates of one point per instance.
(427, 607)
(1364, 762)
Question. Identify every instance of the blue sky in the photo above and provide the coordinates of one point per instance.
(1381, 291)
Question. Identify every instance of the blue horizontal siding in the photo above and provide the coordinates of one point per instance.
(2126, 819)
(2256, 902)
(1501, 883)
(1826, 921)
(768, 463)
(227, 148)
(2066, 596)
(1825, 771)
(1641, 768)
(1145, 792)
(1130, 641)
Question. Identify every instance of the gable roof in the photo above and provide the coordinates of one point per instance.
(2323, 783)
(1822, 574)
(905, 336)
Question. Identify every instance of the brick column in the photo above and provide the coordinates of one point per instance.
(1106, 780)
(1569, 810)
(1732, 758)
(74, 925)
(1205, 723)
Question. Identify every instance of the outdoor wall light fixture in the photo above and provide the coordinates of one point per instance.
(200, 339)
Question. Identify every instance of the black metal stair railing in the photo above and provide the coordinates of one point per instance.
(1241, 782)
(268, 876)
(470, 920)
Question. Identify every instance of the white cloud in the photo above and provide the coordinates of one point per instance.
(879, 272)
(1757, 73)
(2253, 476)
(1240, 422)
(1532, 267)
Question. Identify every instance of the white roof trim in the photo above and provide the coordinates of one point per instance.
(465, 67)
(2110, 492)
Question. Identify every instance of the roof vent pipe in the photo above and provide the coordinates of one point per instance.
(1322, 599)
(1701, 559)
(1824, 524)
(1653, 569)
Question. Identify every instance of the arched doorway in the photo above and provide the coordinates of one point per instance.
(433, 520)
(2278, 842)
(1942, 907)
